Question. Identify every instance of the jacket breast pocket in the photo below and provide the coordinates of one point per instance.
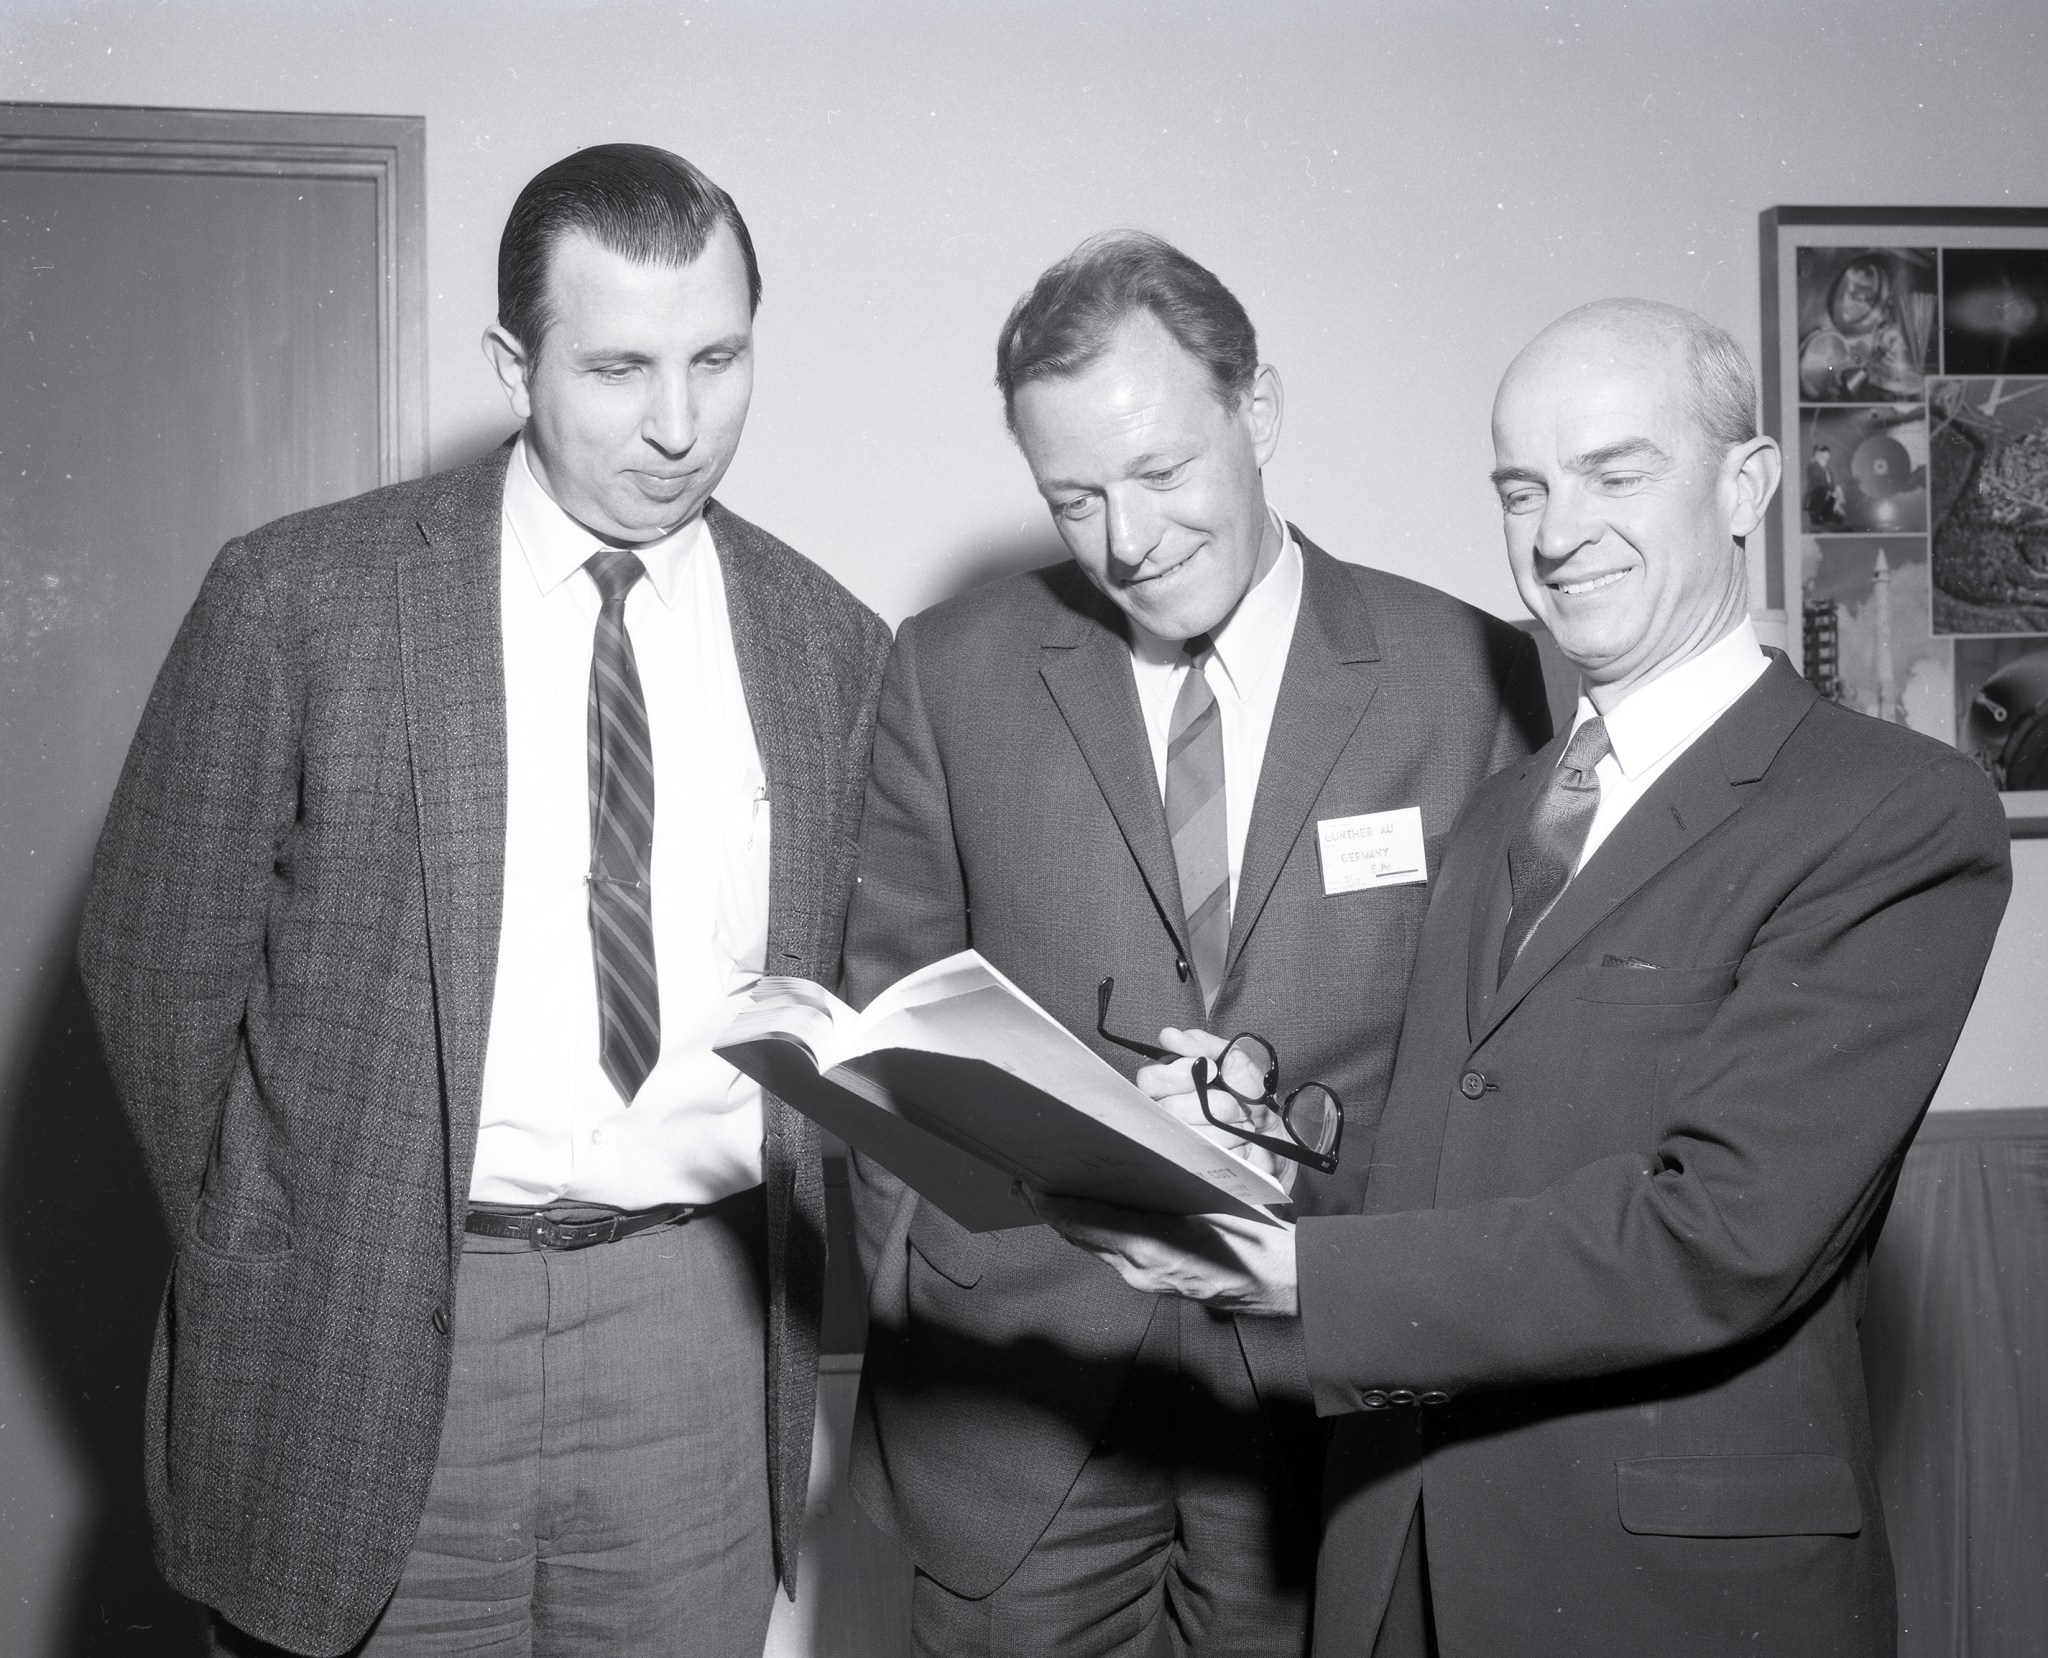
(956, 1254)
(1794, 1494)
(1638, 984)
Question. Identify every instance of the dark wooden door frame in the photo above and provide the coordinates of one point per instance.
(389, 150)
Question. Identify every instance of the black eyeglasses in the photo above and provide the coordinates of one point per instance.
(1312, 1114)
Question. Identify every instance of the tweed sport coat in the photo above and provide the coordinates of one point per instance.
(290, 946)
(1601, 1310)
(1014, 807)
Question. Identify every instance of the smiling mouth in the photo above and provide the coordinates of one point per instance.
(1588, 584)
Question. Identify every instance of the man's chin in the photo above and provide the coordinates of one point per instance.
(1172, 618)
(645, 518)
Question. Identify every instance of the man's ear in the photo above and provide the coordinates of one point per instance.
(1263, 406)
(511, 363)
(1752, 471)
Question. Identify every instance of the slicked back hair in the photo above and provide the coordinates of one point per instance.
(634, 200)
(1072, 312)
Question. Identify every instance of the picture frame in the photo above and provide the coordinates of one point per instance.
(1905, 377)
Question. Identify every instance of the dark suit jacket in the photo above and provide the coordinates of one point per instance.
(1621, 1213)
(1014, 807)
(290, 945)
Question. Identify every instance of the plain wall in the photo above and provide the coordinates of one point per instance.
(1402, 194)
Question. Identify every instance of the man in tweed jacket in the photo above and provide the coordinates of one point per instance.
(354, 996)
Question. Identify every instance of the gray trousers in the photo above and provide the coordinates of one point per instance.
(1191, 1528)
(602, 1483)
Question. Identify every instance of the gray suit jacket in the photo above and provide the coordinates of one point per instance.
(1600, 1312)
(290, 945)
(1014, 806)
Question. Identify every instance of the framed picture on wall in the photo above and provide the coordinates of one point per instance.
(1905, 370)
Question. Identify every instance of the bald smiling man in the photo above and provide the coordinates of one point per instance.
(1688, 979)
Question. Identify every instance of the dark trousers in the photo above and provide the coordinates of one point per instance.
(1196, 1511)
(602, 1483)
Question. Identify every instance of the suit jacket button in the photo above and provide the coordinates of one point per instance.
(1372, 1399)
(1180, 967)
(1472, 1085)
(1400, 1396)
(1433, 1397)
(441, 1320)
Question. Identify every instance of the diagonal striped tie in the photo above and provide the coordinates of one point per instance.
(621, 836)
(1196, 819)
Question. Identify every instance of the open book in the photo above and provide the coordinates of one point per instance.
(956, 1082)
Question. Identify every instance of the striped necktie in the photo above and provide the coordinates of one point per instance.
(621, 836)
(1196, 819)
(1543, 856)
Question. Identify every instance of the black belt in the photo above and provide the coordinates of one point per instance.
(545, 1231)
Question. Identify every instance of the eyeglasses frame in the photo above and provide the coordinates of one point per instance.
(1293, 1148)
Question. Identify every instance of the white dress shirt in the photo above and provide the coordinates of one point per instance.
(1662, 718)
(1244, 671)
(552, 1125)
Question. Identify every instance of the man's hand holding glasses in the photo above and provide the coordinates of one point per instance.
(1229, 1089)
(1234, 1110)
(1234, 1085)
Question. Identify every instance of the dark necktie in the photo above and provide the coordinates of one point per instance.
(1544, 854)
(1197, 820)
(621, 836)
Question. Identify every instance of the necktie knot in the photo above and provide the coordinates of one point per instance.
(614, 569)
(1583, 754)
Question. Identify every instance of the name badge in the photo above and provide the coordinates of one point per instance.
(1374, 849)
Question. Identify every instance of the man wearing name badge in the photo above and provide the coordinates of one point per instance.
(1116, 778)
(441, 853)
(1689, 978)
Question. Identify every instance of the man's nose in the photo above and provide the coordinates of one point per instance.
(1133, 531)
(1567, 524)
(671, 418)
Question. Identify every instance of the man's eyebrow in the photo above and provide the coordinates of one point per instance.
(1627, 449)
(1513, 475)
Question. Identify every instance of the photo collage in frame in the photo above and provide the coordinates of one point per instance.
(1906, 367)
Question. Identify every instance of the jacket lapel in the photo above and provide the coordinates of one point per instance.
(1492, 898)
(795, 756)
(1704, 786)
(1086, 665)
(452, 658)
(1330, 678)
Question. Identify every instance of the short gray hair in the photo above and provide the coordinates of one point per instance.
(1723, 384)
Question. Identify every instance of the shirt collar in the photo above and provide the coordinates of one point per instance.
(1252, 644)
(555, 546)
(1660, 714)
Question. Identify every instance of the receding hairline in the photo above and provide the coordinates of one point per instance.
(659, 258)
(1720, 386)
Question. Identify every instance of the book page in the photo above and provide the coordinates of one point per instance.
(797, 1010)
